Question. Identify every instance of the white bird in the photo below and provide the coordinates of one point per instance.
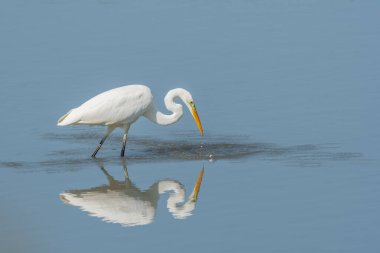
(124, 203)
(122, 106)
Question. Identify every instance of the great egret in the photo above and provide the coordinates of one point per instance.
(122, 106)
(124, 203)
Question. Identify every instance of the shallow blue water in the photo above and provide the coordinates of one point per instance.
(287, 92)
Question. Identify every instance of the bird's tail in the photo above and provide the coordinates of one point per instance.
(61, 120)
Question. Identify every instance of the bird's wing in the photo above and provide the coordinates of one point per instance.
(122, 105)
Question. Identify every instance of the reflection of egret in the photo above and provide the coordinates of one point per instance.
(120, 107)
(122, 202)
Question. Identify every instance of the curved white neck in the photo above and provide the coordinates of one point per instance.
(163, 119)
(176, 204)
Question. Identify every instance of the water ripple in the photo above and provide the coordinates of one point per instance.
(180, 147)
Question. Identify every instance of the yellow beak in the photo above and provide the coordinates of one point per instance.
(197, 186)
(196, 118)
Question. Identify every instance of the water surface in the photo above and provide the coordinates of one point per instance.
(287, 92)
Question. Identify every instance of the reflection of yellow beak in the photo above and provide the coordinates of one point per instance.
(197, 186)
(196, 118)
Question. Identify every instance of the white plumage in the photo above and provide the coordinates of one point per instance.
(119, 106)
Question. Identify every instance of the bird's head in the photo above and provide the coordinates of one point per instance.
(187, 99)
(189, 102)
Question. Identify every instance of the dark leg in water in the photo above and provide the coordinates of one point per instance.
(109, 130)
(125, 136)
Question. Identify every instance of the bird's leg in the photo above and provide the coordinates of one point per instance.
(124, 143)
(99, 145)
(111, 180)
(126, 176)
(124, 140)
(109, 130)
